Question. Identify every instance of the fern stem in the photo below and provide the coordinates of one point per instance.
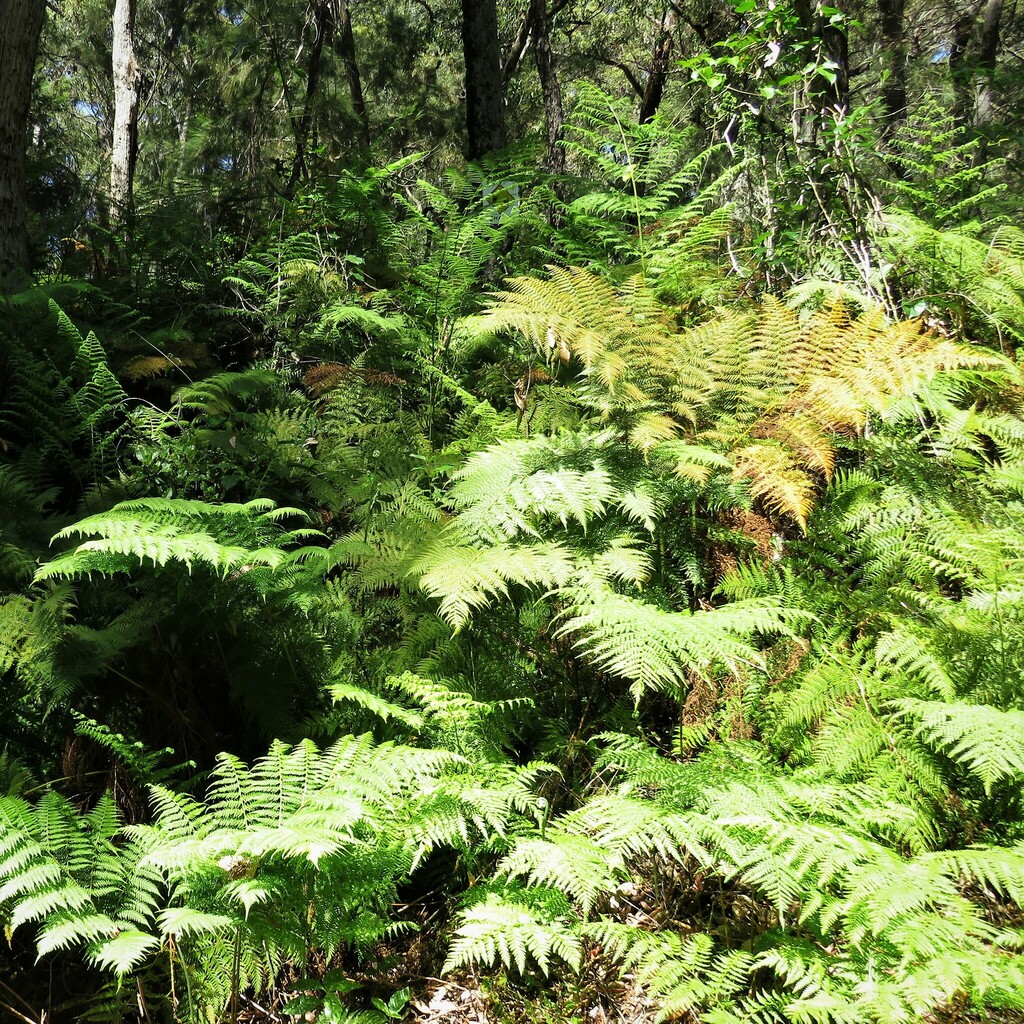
(143, 1004)
(50, 783)
(10, 1009)
(17, 1013)
(636, 194)
(236, 967)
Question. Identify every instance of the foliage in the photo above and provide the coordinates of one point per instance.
(300, 853)
(589, 577)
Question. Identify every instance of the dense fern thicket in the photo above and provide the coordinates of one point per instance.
(559, 587)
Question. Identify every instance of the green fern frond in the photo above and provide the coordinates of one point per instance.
(656, 649)
(566, 862)
(385, 710)
(511, 927)
(467, 578)
(987, 741)
(165, 530)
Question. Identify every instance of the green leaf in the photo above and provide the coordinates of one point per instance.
(124, 952)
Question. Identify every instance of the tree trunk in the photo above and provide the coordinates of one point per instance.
(959, 70)
(524, 39)
(827, 92)
(517, 50)
(893, 43)
(972, 62)
(554, 116)
(346, 49)
(485, 100)
(658, 74)
(21, 22)
(988, 49)
(322, 28)
(836, 46)
(127, 88)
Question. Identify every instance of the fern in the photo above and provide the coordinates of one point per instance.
(513, 925)
(820, 854)
(172, 530)
(770, 390)
(959, 276)
(239, 870)
(986, 740)
(656, 649)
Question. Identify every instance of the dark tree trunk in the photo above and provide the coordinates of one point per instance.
(322, 28)
(525, 37)
(332, 27)
(972, 62)
(836, 47)
(988, 49)
(21, 22)
(520, 45)
(485, 100)
(658, 74)
(127, 89)
(959, 70)
(554, 116)
(893, 42)
(346, 49)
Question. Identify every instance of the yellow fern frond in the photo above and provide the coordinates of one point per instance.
(652, 429)
(764, 389)
(144, 367)
(615, 333)
(808, 440)
(776, 479)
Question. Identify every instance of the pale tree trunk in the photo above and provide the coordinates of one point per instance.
(21, 22)
(485, 100)
(127, 89)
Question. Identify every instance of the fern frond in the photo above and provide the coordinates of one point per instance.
(656, 649)
(467, 578)
(512, 926)
(165, 530)
(987, 741)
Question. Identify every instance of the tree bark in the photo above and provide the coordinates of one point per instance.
(127, 89)
(524, 39)
(517, 51)
(658, 74)
(836, 45)
(959, 59)
(893, 43)
(988, 49)
(21, 22)
(972, 61)
(346, 49)
(554, 116)
(485, 100)
(827, 93)
(322, 28)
